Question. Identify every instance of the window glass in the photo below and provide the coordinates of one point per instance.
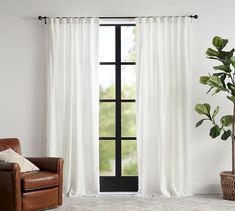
(129, 158)
(128, 120)
(128, 40)
(107, 81)
(107, 157)
(128, 75)
(107, 120)
(107, 44)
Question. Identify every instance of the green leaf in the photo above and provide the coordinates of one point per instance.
(219, 74)
(222, 78)
(225, 56)
(231, 87)
(226, 135)
(226, 120)
(200, 122)
(208, 107)
(215, 81)
(204, 79)
(212, 57)
(232, 60)
(199, 108)
(223, 68)
(217, 91)
(225, 41)
(217, 42)
(203, 109)
(216, 111)
(232, 98)
(215, 131)
(212, 53)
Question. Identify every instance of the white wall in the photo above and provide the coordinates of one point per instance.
(22, 72)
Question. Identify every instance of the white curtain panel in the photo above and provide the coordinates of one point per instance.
(73, 101)
(163, 105)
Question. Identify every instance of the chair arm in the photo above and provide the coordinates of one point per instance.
(5, 166)
(48, 163)
(10, 186)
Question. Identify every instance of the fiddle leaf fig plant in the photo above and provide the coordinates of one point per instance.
(221, 80)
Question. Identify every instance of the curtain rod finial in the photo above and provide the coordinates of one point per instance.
(194, 16)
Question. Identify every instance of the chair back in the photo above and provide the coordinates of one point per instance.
(12, 143)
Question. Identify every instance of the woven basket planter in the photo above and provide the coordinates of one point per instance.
(228, 185)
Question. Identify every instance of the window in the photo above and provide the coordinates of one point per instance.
(118, 148)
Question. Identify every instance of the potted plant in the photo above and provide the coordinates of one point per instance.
(221, 80)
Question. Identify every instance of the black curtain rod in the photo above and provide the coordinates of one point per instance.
(190, 16)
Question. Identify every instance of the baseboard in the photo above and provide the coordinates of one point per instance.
(207, 189)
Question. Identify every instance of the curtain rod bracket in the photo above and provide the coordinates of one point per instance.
(41, 17)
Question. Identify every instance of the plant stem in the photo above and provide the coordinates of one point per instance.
(233, 132)
(233, 142)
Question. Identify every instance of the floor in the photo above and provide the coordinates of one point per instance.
(137, 203)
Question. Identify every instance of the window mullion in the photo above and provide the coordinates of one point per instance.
(118, 99)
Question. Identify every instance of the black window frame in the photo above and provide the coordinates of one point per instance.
(118, 183)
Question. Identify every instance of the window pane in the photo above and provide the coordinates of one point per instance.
(128, 120)
(129, 158)
(106, 81)
(107, 120)
(128, 44)
(128, 75)
(107, 44)
(107, 158)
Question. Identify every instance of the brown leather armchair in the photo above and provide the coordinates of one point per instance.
(36, 190)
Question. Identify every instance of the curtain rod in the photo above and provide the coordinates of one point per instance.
(190, 16)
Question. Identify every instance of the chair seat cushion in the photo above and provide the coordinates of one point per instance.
(39, 180)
